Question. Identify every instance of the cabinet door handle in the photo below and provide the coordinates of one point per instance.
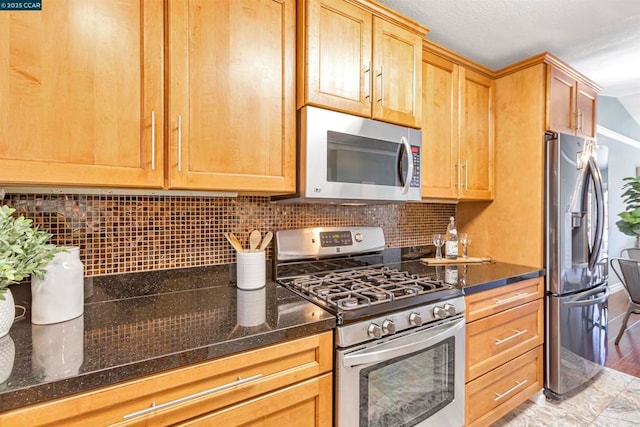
(153, 140)
(515, 297)
(179, 143)
(458, 184)
(511, 390)
(580, 119)
(509, 338)
(466, 174)
(367, 82)
(381, 91)
(155, 407)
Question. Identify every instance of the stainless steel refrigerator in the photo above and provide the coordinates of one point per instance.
(576, 263)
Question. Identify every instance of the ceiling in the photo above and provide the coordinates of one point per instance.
(600, 39)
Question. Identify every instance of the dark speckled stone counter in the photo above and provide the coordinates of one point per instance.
(142, 323)
(481, 277)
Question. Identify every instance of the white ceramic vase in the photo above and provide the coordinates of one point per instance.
(7, 313)
(60, 295)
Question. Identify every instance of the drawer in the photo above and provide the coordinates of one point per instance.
(304, 404)
(491, 396)
(272, 367)
(486, 303)
(496, 339)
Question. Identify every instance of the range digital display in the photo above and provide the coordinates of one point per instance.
(335, 238)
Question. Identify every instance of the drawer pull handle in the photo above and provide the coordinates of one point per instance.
(517, 334)
(155, 407)
(511, 390)
(515, 297)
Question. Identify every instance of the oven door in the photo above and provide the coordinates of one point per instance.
(411, 379)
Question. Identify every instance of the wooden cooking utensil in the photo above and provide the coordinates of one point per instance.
(254, 240)
(236, 245)
(265, 242)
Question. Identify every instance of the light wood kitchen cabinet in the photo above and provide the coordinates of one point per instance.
(504, 339)
(511, 228)
(231, 100)
(572, 104)
(85, 107)
(81, 94)
(458, 135)
(361, 58)
(276, 385)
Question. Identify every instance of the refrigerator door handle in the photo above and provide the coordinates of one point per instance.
(599, 191)
(584, 300)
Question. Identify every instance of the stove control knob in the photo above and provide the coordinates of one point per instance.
(358, 237)
(415, 319)
(450, 309)
(374, 331)
(439, 313)
(388, 327)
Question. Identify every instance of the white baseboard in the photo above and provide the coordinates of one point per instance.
(615, 287)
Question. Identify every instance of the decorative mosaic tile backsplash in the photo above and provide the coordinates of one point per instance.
(120, 234)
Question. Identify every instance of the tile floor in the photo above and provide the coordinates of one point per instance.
(611, 399)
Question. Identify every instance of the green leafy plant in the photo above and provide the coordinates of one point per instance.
(629, 222)
(24, 250)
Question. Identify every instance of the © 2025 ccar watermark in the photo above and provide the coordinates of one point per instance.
(20, 5)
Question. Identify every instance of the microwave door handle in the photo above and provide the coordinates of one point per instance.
(407, 149)
(594, 174)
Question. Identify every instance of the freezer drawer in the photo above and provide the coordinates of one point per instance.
(576, 338)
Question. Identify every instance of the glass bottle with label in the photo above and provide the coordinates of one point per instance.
(451, 243)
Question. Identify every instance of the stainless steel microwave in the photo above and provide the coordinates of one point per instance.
(349, 159)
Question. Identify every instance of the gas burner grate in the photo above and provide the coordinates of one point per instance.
(355, 289)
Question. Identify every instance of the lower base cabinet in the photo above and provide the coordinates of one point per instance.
(504, 339)
(278, 385)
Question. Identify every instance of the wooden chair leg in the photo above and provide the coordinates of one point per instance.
(630, 309)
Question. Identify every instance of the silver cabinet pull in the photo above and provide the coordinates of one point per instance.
(515, 297)
(458, 184)
(580, 119)
(511, 390)
(509, 338)
(153, 140)
(466, 174)
(367, 82)
(179, 143)
(155, 407)
(380, 100)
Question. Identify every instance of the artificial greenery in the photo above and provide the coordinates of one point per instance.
(24, 250)
(629, 223)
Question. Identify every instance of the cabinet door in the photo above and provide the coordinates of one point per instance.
(231, 100)
(336, 55)
(476, 136)
(397, 87)
(440, 127)
(586, 108)
(562, 98)
(79, 84)
(305, 404)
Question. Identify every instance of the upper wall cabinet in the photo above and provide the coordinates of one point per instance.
(572, 104)
(360, 58)
(231, 95)
(458, 135)
(81, 94)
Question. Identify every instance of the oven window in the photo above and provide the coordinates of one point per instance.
(359, 160)
(409, 389)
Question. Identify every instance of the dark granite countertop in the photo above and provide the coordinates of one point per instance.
(141, 323)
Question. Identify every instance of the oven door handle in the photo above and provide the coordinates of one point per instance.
(390, 349)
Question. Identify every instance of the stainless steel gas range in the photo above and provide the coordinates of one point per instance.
(399, 357)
